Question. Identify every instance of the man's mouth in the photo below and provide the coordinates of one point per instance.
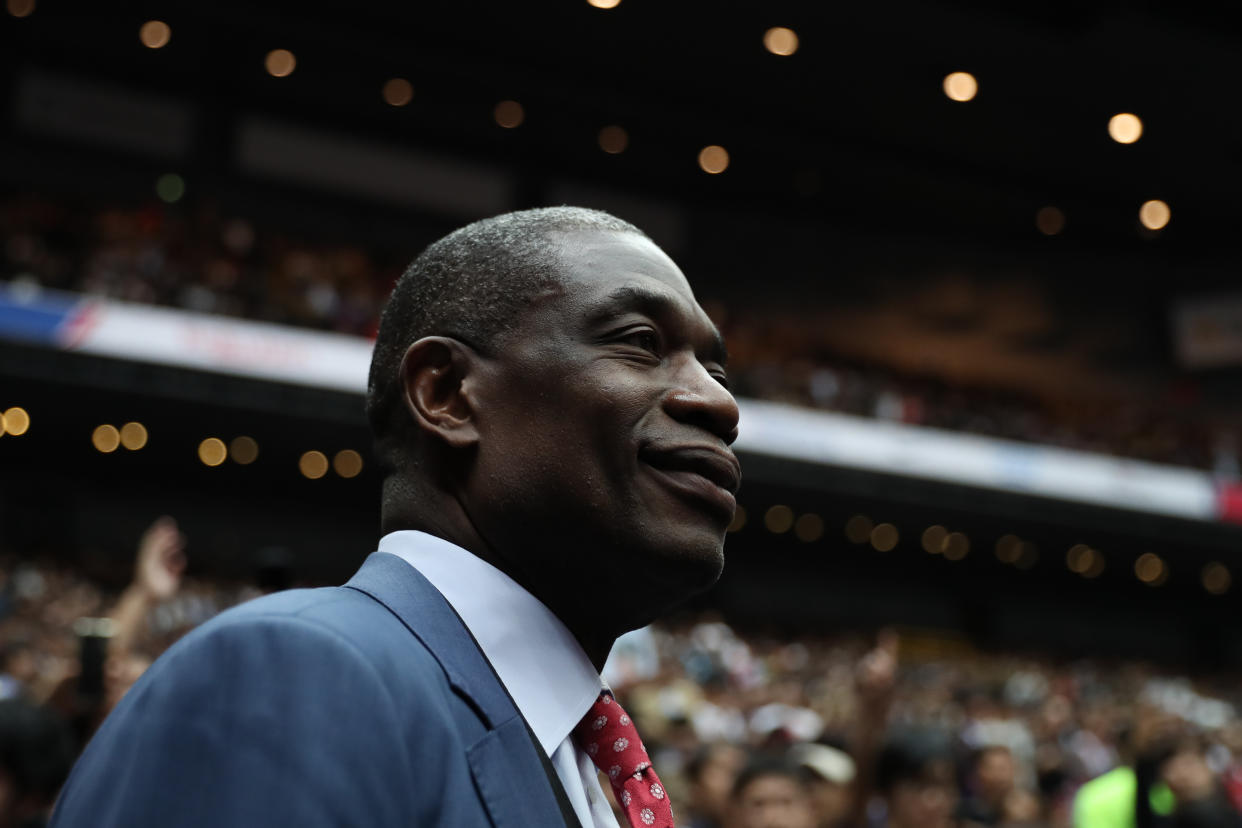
(705, 474)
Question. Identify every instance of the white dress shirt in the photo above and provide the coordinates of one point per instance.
(541, 664)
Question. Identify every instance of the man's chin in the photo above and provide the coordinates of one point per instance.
(687, 563)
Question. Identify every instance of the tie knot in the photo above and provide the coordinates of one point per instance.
(609, 737)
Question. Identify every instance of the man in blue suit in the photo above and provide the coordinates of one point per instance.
(550, 406)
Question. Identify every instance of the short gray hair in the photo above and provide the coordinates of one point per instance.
(470, 285)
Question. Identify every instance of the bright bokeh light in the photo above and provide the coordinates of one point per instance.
(14, 421)
(713, 159)
(604, 4)
(133, 436)
(20, 8)
(779, 519)
(858, 529)
(884, 537)
(1154, 214)
(398, 92)
(106, 438)
(780, 40)
(1150, 569)
(613, 139)
(280, 63)
(313, 464)
(212, 451)
(809, 528)
(1216, 578)
(960, 86)
(739, 519)
(244, 450)
(1050, 220)
(1080, 558)
(1125, 128)
(347, 463)
(155, 34)
(933, 539)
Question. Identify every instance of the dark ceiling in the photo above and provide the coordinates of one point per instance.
(853, 126)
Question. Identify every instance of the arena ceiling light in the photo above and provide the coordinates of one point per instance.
(780, 40)
(20, 8)
(212, 451)
(398, 92)
(1216, 578)
(105, 438)
(713, 159)
(347, 463)
(14, 421)
(280, 63)
(1155, 214)
(509, 114)
(313, 465)
(244, 450)
(1125, 128)
(960, 86)
(133, 436)
(613, 139)
(155, 34)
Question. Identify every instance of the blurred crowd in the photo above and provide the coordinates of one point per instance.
(761, 731)
(1158, 430)
(748, 730)
(206, 261)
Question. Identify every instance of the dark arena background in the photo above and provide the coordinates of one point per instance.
(976, 265)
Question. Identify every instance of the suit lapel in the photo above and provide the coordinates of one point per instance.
(508, 763)
(423, 610)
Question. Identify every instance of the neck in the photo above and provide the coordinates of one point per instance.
(443, 515)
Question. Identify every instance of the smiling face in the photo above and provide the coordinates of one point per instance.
(603, 477)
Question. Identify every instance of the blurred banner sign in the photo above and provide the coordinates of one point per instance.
(220, 344)
(810, 436)
(338, 362)
(1208, 331)
(103, 114)
(353, 167)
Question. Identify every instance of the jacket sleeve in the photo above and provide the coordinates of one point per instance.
(261, 721)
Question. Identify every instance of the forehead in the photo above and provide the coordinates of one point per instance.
(594, 265)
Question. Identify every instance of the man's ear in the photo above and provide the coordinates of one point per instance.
(433, 373)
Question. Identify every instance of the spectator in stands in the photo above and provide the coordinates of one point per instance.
(36, 751)
(830, 777)
(916, 779)
(770, 793)
(711, 774)
(18, 668)
(990, 779)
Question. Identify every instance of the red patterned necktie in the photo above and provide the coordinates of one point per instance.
(609, 738)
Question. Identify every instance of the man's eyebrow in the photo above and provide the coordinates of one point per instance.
(654, 303)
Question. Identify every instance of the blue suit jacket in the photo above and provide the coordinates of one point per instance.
(362, 705)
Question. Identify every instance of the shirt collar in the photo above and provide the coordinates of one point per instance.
(541, 664)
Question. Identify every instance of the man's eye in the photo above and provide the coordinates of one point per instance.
(722, 379)
(644, 338)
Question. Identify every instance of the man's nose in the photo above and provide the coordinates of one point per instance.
(699, 399)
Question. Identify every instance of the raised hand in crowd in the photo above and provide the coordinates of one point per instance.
(158, 568)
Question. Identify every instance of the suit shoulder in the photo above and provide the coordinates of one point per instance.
(329, 625)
